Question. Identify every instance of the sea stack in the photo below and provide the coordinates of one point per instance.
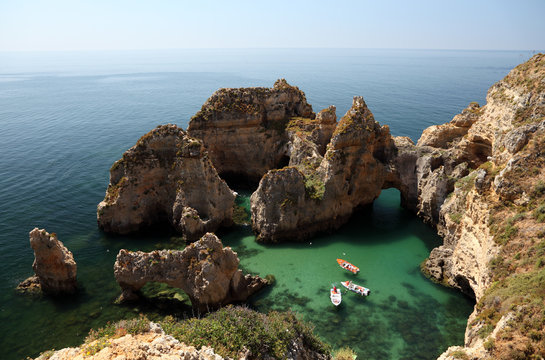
(54, 265)
(205, 270)
(321, 191)
(166, 179)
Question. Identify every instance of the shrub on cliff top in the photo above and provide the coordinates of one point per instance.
(230, 330)
(344, 354)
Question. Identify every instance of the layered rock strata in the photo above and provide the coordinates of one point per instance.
(53, 265)
(234, 123)
(166, 178)
(206, 271)
(320, 193)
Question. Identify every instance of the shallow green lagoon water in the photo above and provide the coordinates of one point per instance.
(405, 316)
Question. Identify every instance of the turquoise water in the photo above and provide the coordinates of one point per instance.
(66, 117)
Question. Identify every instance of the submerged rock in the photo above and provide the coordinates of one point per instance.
(54, 265)
(206, 271)
(165, 178)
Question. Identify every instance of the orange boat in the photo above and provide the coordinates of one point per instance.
(346, 265)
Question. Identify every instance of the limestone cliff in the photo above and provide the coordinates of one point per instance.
(54, 265)
(318, 192)
(206, 271)
(244, 129)
(166, 177)
(492, 222)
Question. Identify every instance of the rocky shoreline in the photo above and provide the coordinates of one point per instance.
(479, 180)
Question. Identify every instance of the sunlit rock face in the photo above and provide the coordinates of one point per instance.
(244, 129)
(53, 265)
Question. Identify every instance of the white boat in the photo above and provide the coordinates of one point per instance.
(335, 296)
(356, 288)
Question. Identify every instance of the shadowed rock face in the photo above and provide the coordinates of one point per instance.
(165, 178)
(54, 264)
(244, 129)
(205, 270)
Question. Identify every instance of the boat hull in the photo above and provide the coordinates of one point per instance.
(348, 266)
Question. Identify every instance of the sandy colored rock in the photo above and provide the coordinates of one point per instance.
(53, 265)
(206, 271)
(166, 178)
(151, 345)
(244, 129)
(320, 193)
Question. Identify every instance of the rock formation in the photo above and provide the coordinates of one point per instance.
(320, 193)
(473, 179)
(165, 178)
(54, 265)
(491, 222)
(280, 336)
(205, 270)
(234, 123)
(152, 344)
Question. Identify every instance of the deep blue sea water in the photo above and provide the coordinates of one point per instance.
(66, 117)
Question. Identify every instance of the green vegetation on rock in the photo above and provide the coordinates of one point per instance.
(232, 329)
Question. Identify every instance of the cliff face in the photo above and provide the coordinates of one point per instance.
(54, 265)
(206, 271)
(493, 222)
(234, 123)
(165, 178)
(320, 193)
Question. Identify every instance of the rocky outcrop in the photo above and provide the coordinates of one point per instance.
(234, 123)
(166, 177)
(319, 193)
(53, 265)
(255, 335)
(205, 270)
(490, 222)
(152, 344)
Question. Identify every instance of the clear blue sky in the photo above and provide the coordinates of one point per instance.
(168, 24)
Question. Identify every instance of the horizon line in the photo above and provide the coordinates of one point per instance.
(261, 48)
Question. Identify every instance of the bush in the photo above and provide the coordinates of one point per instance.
(489, 344)
(539, 213)
(314, 187)
(230, 330)
(344, 353)
(456, 217)
(134, 326)
(459, 354)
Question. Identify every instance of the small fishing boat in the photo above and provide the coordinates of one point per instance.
(335, 296)
(346, 265)
(363, 291)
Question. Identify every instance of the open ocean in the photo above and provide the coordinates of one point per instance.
(66, 117)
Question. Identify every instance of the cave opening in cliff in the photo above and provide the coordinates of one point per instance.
(240, 182)
(162, 299)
